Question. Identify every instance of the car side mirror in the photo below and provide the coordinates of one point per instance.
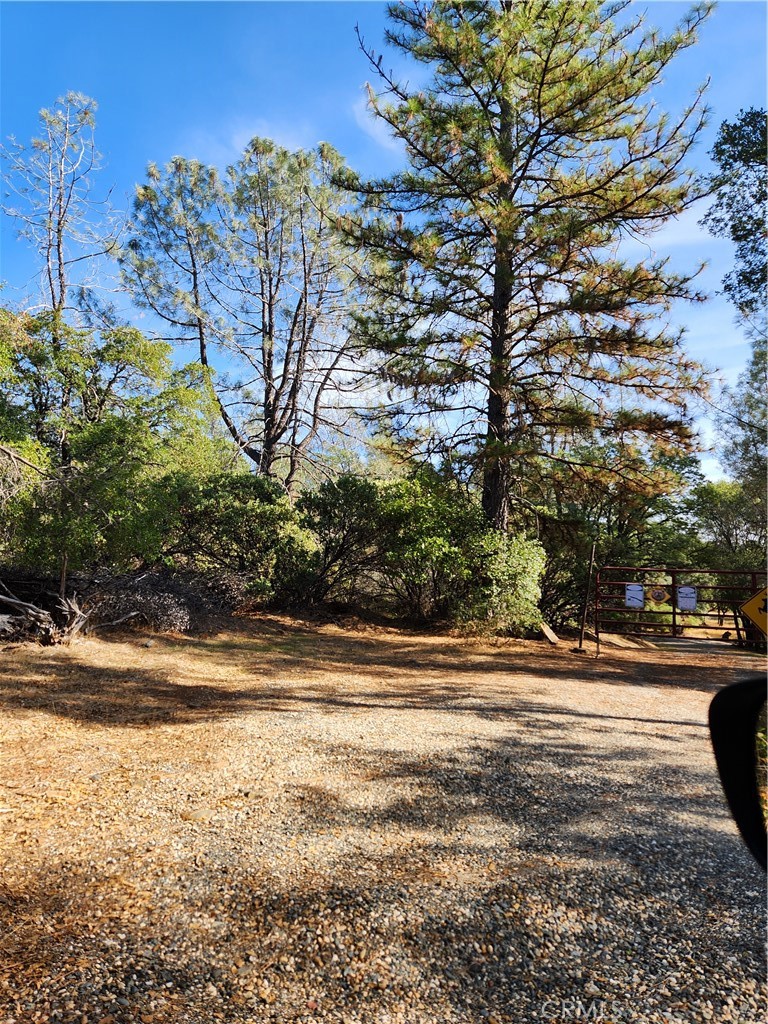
(737, 723)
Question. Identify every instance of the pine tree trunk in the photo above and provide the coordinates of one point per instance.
(496, 472)
(267, 458)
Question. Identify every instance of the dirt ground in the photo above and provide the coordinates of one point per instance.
(190, 826)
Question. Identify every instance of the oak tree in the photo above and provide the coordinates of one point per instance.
(738, 212)
(739, 208)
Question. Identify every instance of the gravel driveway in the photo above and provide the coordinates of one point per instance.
(293, 822)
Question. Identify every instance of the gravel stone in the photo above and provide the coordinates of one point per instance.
(293, 822)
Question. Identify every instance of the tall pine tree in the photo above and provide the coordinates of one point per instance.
(251, 271)
(505, 309)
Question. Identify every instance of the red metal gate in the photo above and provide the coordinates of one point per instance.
(657, 601)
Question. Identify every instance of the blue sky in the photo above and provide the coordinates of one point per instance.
(200, 79)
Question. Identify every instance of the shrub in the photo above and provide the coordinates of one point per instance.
(231, 523)
(344, 516)
(418, 547)
(507, 583)
(427, 533)
(423, 549)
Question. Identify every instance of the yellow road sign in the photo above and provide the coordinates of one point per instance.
(755, 610)
(658, 594)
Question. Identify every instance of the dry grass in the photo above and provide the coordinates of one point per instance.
(120, 761)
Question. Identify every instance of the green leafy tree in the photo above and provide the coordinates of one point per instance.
(731, 525)
(743, 423)
(91, 409)
(20, 455)
(125, 414)
(739, 212)
(638, 518)
(739, 209)
(503, 309)
(251, 270)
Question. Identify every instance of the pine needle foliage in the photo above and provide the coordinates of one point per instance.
(505, 309)
(249, 269)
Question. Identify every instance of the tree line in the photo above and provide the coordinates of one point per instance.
(425, 394)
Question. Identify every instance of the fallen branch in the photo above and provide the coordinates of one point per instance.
(30, 619)
(116, 622)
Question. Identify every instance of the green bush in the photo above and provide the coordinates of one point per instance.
(507, 591)
(426, 540)
(420, 548)
(93, 513)
(344, 517)
(235, 523)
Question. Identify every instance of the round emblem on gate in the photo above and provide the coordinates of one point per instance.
(658, 594)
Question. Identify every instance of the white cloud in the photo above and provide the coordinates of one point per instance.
(375, 128)
(678, 232)
(226, 144)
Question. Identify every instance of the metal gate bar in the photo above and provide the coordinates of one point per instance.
(613, 617)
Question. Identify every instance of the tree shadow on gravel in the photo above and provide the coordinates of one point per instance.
(497, 879)
(292, 644)
(84, 692)
(269, 663)
(594, 801)
(79, 690)
(531, 871)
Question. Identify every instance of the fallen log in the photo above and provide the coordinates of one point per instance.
(10, 625)
(31, 620)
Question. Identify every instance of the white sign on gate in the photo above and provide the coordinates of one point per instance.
(634, 595)
(686, 599)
